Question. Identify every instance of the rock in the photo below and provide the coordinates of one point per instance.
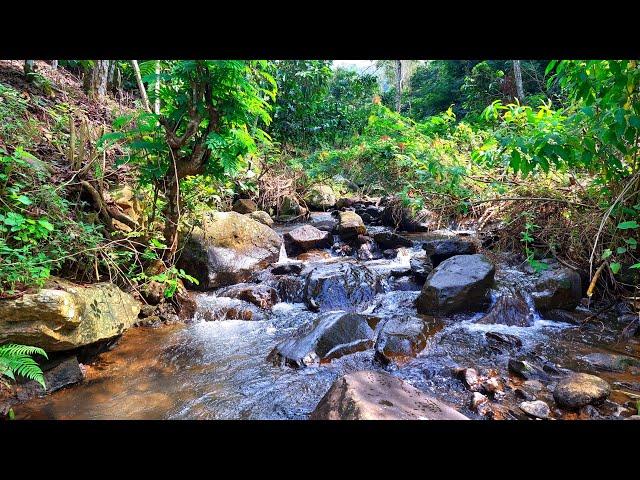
(227, 249)
(504, 339)
(442, 248)
(370, 395)
(524, 394)
(401, 339)
(244, 205)
(350, 225)
(536, 408)
(65, 373)
(574, 317)
(390, 253)
(290, 207)
(288, 269)
(340, 286)
(321, 197)
(492, 386)
(368, 249)
(469, 377)
(332, 335)
(260, 295)
(290, 288)
(391, 240)
(533, 385)
(153, 292)
(313, 256)
(305, 238)
(421, 268)
(580, 389)
(402, 218)
(129, 202)
(479, 403)
(345, 202)
(324, 221)
(63, 315)
(557, 288)
(262, 217)
(611, 362)
(460, 283)
(526, 370)
(213, 309)
(509, 310)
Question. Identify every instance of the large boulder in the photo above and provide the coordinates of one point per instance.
(306, 238)
(441, 249)
(391, 240)
(460, 283)
(321, 197)
(401, 339)
(580, 389)
(370, 395)
(340, 286)
(262, 217)
(332, 335)
(557, 287)
(227, 249)
(350, 225)
(64, 316)
(244, 205)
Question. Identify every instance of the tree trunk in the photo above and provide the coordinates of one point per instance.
(517, 73)
(398, 85)
(143, 91)
(54, 64)
(29, 67)
(156, 103)
(95, 81)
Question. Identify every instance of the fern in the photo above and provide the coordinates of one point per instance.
(16, 359)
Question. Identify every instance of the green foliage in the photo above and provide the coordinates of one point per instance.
(526, 237)
(16, 360)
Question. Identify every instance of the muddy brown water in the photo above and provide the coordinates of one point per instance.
(218, 369)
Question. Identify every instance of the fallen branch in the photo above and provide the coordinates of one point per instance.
(533, 199)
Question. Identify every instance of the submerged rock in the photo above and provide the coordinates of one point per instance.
(306, 238)
(262, 217)
(401, 339)
(321, 197)
(509, 310)
(244, 205)
(611, 362)
(227, 249)
(350, 225)
(391, 240)
(260, 295)
(344, 286)
(442, 248)
(557, 288)
(332, 335)
(370, 395)
(64, 315)
(580, 389)
(460, 283)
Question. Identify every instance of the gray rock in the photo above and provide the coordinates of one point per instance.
(262, 217)
(350, 225)
(526, 370)
(421, 268)
(324, 221)
(611, 362)
(401, 339)
(580, 389)
(62, 375)
(244, 205)
(460, 283)
(442, 248)
(536, 408)
(332, 335)
(261, 295)
(509, 310)
(557, 288)
(391, 240)
(305, 238)
(370, 395)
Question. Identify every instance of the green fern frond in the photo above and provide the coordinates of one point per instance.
(16, 359)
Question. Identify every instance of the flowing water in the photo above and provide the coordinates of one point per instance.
(218, 369)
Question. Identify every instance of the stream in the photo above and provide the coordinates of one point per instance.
(218, 369)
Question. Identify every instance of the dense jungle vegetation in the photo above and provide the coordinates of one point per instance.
(543, 153)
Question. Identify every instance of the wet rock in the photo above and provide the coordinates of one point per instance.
(469, 377)
(332, 335)
(321, 197)
(524, 394)
(228, 249)
(492, 386)
(344, 286)
(480, 404)
(401, 339)
(536, 408)
(460, 283)
(368, 249)
(526, 370)
(260, 295)
(533, 385)
(556, 288)
(290, 288)
(64, 374)
(262, 217)
(63, 315)
(503, 339)
(391, 240)
(324, 221)
(372, 215)
(224, 308)
(370, 395)
(421, 268)
(305, 238)
(350, 225)
(288, 269)
(611, 362)
(403, 218)
(390, 253)
(509, 310)
(244, 205)
(580, 389)
(290, 207)
(442, 248)
(575, 317)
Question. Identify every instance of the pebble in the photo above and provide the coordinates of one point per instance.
(536, 408)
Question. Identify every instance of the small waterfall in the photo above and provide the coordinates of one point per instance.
(283, 255)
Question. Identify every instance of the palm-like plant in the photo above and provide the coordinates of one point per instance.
(16, 359)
